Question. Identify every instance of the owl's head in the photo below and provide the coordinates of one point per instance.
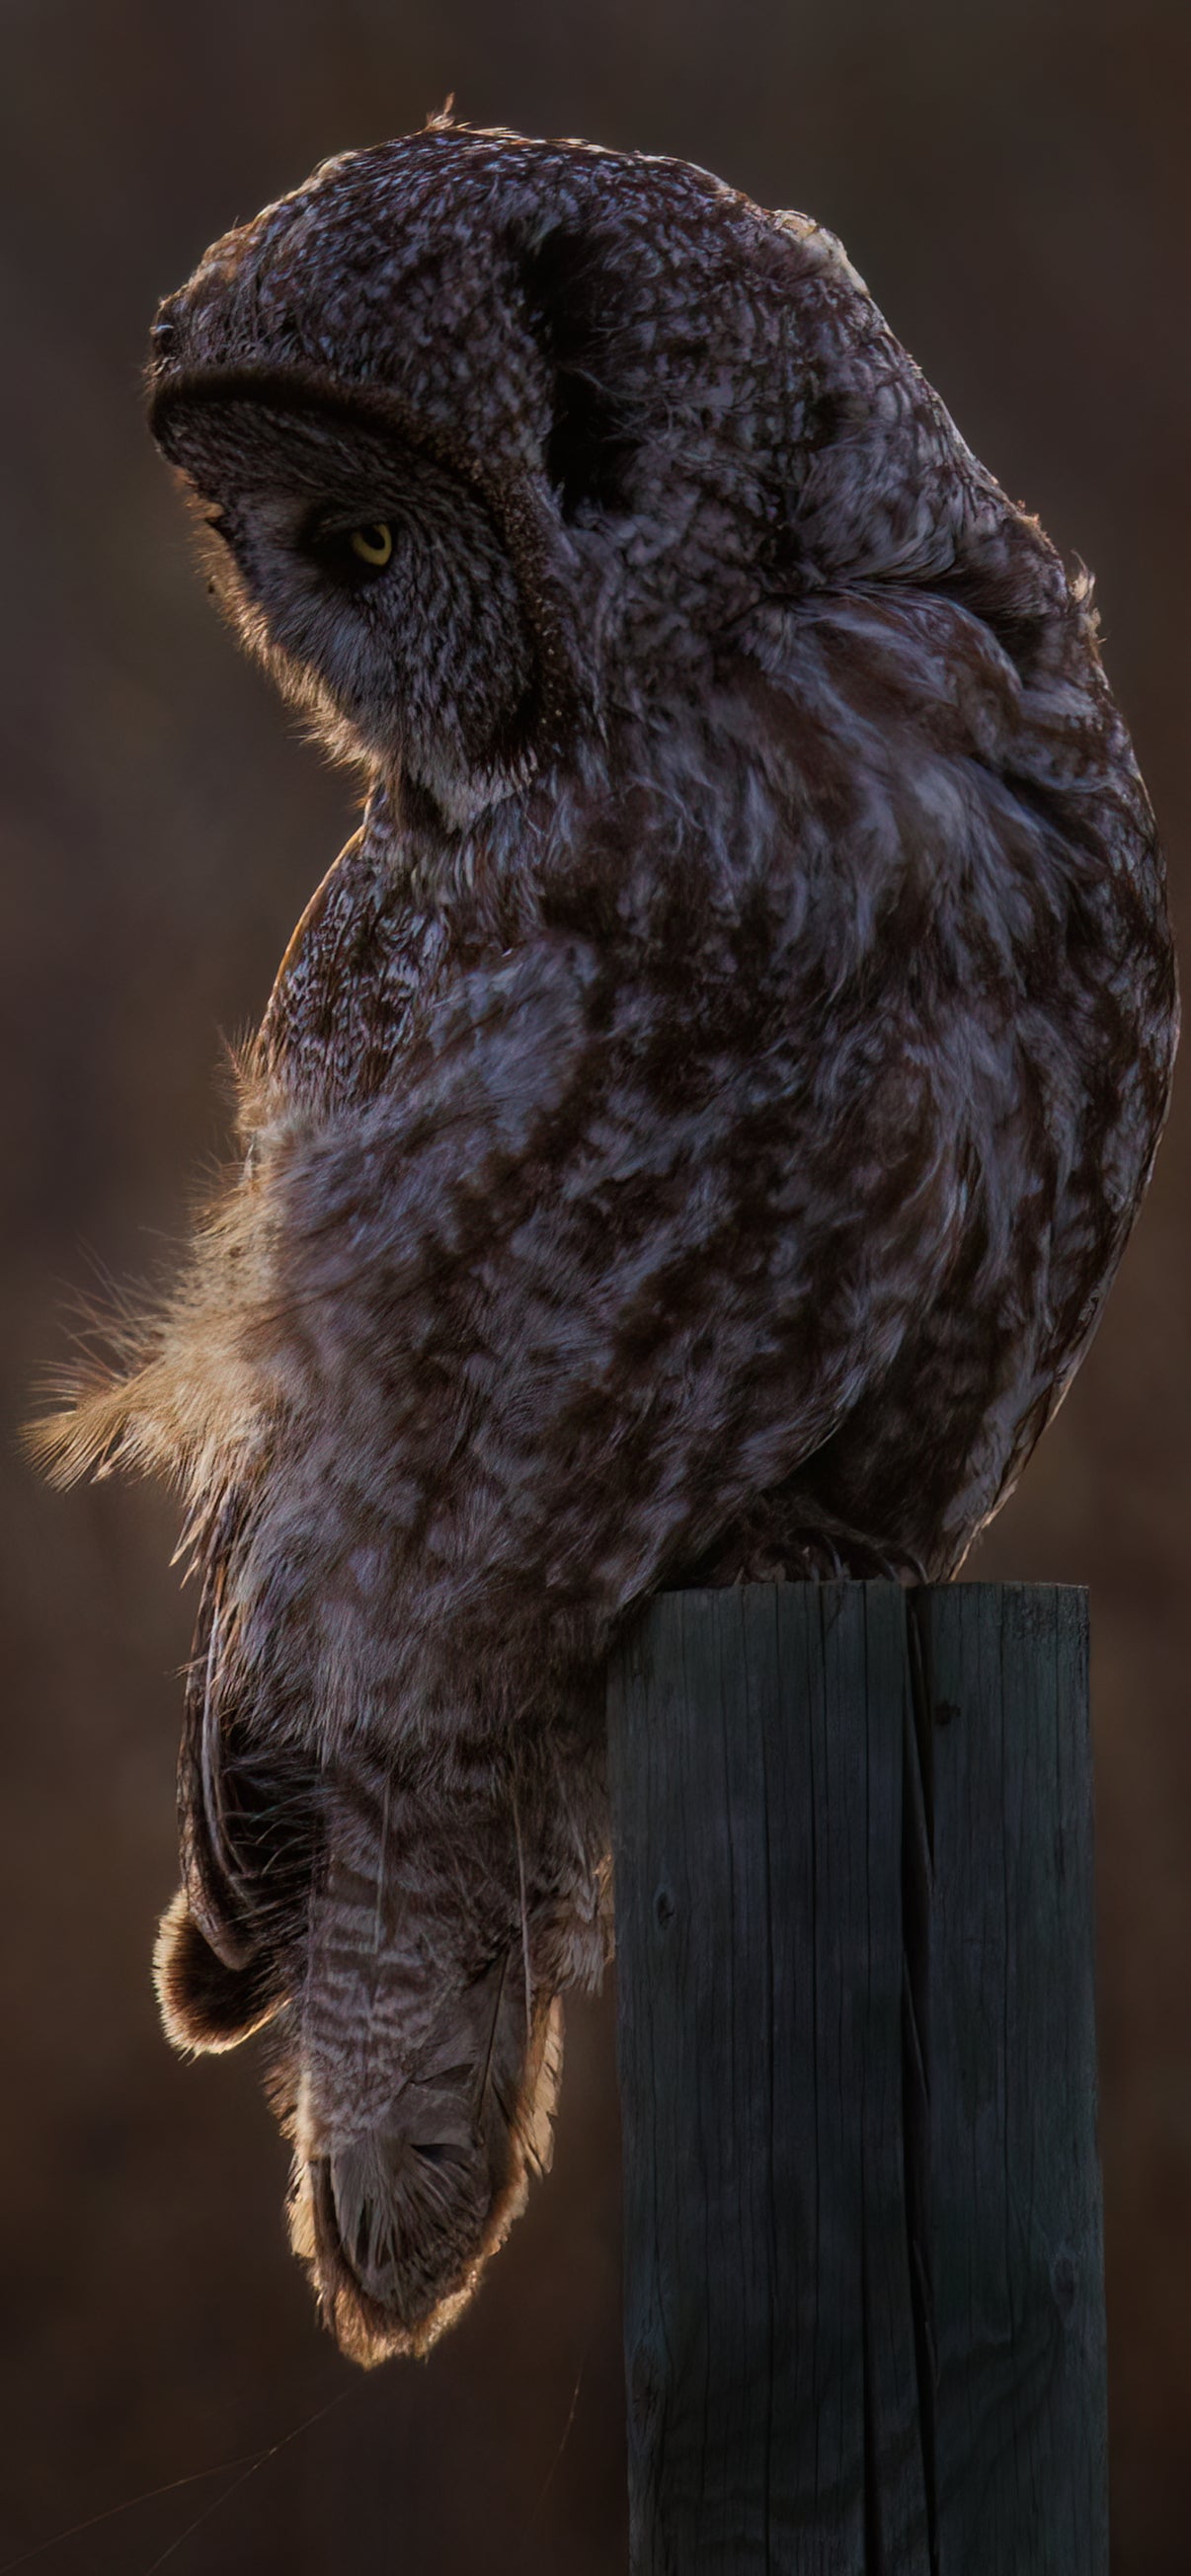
(489, 434)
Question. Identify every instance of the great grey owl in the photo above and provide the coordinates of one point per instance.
(695, 1122)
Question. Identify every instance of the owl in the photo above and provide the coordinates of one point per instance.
(695, 1122)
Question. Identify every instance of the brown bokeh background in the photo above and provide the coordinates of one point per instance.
(1015, 183)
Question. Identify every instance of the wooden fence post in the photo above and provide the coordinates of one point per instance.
(864, 2326)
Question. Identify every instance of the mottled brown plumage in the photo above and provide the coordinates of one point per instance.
(696, 1121)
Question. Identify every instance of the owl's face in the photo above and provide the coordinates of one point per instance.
(372, 580)
(473, 422)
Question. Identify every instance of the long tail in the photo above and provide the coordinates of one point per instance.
(424, 2055)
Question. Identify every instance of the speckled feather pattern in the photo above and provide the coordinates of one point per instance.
(696, 1121)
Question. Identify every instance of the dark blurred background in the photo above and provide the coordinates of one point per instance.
(1015, 184)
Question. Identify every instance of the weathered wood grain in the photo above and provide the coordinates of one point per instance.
(1018, 2262)
(864, 2319)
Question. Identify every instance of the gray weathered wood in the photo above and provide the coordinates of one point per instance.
(864, 2309)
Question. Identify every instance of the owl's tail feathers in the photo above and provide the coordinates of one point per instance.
(423, 2055)
(397, 2221)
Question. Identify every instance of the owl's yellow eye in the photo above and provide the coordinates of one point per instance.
(373, 544)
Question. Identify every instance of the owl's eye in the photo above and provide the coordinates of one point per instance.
(373, 544)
